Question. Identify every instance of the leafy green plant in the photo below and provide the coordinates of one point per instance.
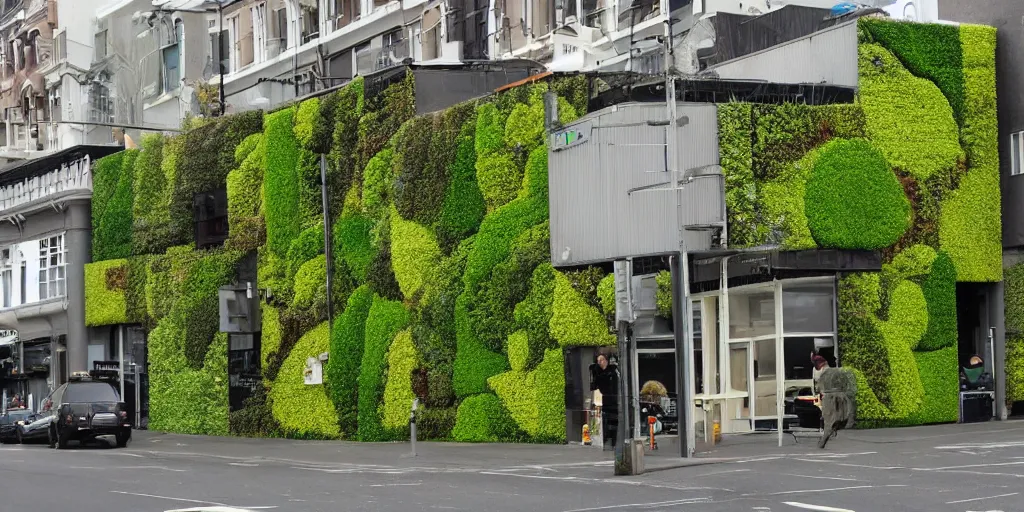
(663, 297)
(347, 348)
(940, 294)
(112, 236)
(307, 119)
(970, 226)
(304, 411)
(386, 318)
(398, 395)
(150, 214)
(533, 314)
(735, 126)
(908, 118)
(414, 254)
(280, 182)
(311, 285)
(104, 304)
(308, 245)
(377, 182)
(574, 322)
(464, 205)
(475, 418)
(353, 245)
(873, 218)
(247, 228)
(1014, 368)
(270, 336)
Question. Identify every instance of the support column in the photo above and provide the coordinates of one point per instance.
(78, 242)
(997, 320)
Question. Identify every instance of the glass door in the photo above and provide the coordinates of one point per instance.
(740, 367)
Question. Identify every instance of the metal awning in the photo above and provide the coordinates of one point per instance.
(20, 170)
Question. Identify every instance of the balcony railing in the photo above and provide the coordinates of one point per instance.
(69, 177)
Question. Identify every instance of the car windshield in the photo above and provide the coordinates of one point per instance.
(80, 392)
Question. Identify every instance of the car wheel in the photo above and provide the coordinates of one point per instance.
(122, 440)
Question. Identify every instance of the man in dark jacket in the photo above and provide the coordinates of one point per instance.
(605, 378)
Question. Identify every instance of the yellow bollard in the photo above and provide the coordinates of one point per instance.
(586, 435)
(717, 433)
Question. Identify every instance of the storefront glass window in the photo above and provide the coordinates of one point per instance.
(808, 308)
(738, 369)
(751, 314)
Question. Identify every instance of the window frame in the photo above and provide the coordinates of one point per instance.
(53, 283)
(1017, 158)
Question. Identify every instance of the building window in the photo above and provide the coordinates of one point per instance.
(100, 45)
(281, 23)
(210, 211)
(1016, 154)
(172, 58)
(259, 31)
(101, 104)
(52, 260)
(6, 276)
(310, 22)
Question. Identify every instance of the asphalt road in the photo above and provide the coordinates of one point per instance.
(956, 469)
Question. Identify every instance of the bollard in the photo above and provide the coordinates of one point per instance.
(412, 425)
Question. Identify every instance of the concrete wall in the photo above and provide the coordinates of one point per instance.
(1008, 17)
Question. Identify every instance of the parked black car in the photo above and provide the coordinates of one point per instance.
(80, 410)
(11, 422)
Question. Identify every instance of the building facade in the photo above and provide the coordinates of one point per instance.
(1006, 16)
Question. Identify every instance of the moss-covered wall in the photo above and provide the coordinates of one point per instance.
(443, 289)
(910, 169)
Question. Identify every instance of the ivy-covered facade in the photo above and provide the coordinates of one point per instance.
(443, 288)
(911, 169)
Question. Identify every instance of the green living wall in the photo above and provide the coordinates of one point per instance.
(910, 169)
(442, 289)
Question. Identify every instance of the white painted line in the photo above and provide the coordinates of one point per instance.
(967, 466)
(761, 459)
(169, 498)
(538, 477)
(850, 465)
(984, 498)
(981, 473)
(243, 464)
(823, 477)
(813, 491)
(981, 446)
(821, 508)
(395, 485)
(646, 505)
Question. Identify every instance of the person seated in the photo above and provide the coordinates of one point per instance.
(973, 376)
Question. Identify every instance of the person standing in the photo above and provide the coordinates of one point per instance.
(604, 377)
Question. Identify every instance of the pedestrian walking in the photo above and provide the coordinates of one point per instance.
(837, 398)
(604, 377)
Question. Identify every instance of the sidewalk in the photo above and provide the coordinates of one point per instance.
(489, 457)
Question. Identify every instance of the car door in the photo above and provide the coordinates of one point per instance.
(47, 409)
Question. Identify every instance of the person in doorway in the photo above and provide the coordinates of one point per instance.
(604, 377)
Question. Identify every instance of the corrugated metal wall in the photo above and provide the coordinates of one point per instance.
(594, 218)
(828, 56)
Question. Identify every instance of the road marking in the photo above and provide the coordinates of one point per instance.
(823, 477)
(983, 498)
(761, 459)
(243, 464)
(847, 464)
(646, 505)
(169, 498)
(991, 464)
(981, 473)
(981, 446)
(812, 491)
(821, 508)
(395, 485)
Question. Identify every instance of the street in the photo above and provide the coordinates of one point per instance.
(955, 467)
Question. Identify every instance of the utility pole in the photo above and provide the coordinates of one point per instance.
(682, 318)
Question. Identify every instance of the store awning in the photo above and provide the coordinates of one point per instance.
(20, 170)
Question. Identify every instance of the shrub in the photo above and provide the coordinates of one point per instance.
(308, 245)
(386, 318)
(419, 184)
(255, 418)
(533, 314)
(347, 109)
(508, 285)
(928, 50)
(475, 416)
(606, 294)
(436, 422)
(970, 228)
(398, 395)
(474, 364)
(499, 178)
(135, 292)
(382, 117)
(311, 286)
(524, 130)
(536, 400)
(497, 233)
(377, 181)
(304, 411)
(873, 218)
(735, 126)
(104, 304)
(518, 351)
(307, 119)
(270, 337)
(311, 206)
(353, 246)
(908, 118)
(576, 91)
(464, 205)
(347, 354)
(1014, 368)
(783, 205)
(200, 304)
(663, 296)
(244, 188)
(573, 321)
(112, 238)
(202, 159)
(381, 276)
(150, 212)
(940, 294)
(281, 183)
(106, 174)
(786, 132)
(939, 378)
(414, 254)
